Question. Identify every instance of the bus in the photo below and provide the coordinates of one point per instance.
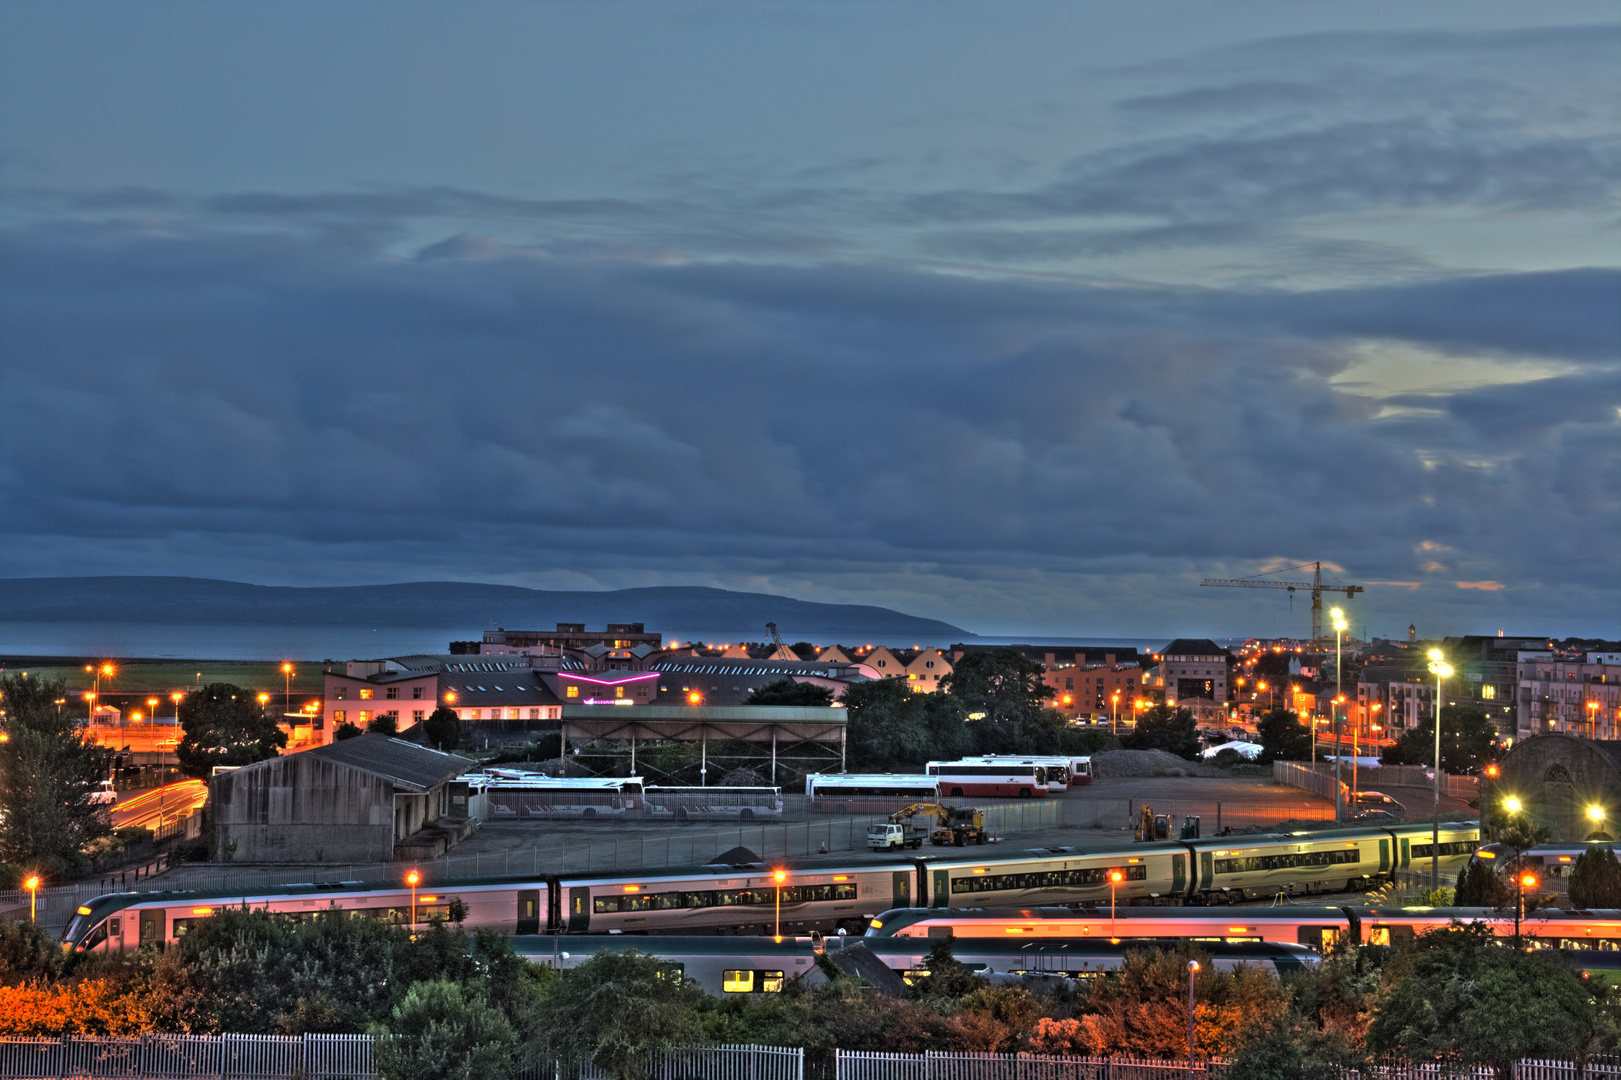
(703, 803)
(509, 794)
(1063, 773)
(848, 793)
(976, 777)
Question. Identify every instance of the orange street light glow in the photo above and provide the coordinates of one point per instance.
(413, 879)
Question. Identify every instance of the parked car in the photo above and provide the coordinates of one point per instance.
(1377, 800)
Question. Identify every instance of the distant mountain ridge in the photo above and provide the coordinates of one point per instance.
(688, 610)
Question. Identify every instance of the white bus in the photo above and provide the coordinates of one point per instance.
(510, 794)
(1062, 773)
(1020, 778)
(700, 803)
(850, 793)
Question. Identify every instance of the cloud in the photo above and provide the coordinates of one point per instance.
(267, 406)
(1484, 586)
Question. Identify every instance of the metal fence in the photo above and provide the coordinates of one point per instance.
(183, 1057)
(872, 1065)
(1319, 780)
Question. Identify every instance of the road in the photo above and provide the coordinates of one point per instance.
(147, 808)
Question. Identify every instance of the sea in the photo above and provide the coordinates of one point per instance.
(223, 641)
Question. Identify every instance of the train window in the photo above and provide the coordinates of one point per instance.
(1451, 847)
(115, 927)
(737, 982)
(1288, 861)
(1321, 938)
(97, 936)
(939, 931)
(791, 894)
(770, 982)
(1390, 935)
(1600, 944)
(1050, 879)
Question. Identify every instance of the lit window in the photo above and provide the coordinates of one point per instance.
(771, 982)
(338, 716)
(365, 717)
(737, 982)
(619, 691)
(341, 693)
(572, 691)
(365, 693)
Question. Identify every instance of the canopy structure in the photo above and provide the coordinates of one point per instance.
(774, 724)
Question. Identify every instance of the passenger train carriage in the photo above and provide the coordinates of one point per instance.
(766, 965)
(820, 893)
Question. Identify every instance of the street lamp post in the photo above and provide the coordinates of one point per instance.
(779, 877)
(287, 682)
(1441, 669)
(413, 879)
(1522, 881)
(32, 885)
(1115, 878)
(1193, 969)
(1339, 753)
(1114, 726)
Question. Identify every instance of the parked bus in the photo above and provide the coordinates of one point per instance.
(511, 794)
(1062, 772)
(870, 793)
(700, 803)
(975, 777)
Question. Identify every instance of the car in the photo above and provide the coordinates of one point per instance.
(1376, 800)
(1376, 817)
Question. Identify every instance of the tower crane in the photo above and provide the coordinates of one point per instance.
(1315, 585)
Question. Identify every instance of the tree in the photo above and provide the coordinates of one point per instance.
(947, 977)
(1479, 885)
(1468, 740)
(442, 728)
(618, 1007)
(47, 772)
(785, 691)
(1595, 880)
(443, 1030)
(1458, 995)
(1165, 727)
(1142, 1009)
(891, 725)
(1272, 668)
(384, 723)
(1283, 737)
(346, 730)
(999, 685)
(221, 724)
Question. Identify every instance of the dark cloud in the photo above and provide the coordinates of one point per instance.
(298, 411)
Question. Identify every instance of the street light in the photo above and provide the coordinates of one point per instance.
(1193, 969)
(1115, 878)
(413, 879)
(1440, 669)
(1524, 881)
(1339, 637)
(287, 682)
(1511, 804)
(779, 877)
(1115, 725)
(32, 885)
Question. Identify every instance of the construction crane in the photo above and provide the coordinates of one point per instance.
(1315, 585)
(780, 650)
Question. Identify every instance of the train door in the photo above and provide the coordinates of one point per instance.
(152, 926)
(1384, 856)
(1321, 938)
(579, 909)
(1179, 876)
(1406, 853)
(528, 911)
(942, 889)
(1207, 871)
(903, 889)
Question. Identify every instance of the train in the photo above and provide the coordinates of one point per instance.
(725, 966)
(823, 893)
(1319, 927)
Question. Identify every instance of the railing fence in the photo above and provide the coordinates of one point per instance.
(935, 1065)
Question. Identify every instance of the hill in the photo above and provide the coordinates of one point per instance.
(689, 610)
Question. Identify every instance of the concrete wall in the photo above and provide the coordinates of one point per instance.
(300, 808)
(1557, 777)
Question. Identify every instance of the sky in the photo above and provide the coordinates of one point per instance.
(1024, 316)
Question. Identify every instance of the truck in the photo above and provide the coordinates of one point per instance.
(956, 825)
(896, 834)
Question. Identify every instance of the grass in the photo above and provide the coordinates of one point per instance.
(134, 682)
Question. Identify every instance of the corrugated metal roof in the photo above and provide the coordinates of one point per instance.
(406, 764)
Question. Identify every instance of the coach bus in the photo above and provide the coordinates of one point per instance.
(1021, 779)
(850, 793)
(705, 803)
(510, 794)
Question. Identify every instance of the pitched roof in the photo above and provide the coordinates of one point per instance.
(396, 760)
(858, 960)
(1193, 647)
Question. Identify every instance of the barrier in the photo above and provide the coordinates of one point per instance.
(934, 1065)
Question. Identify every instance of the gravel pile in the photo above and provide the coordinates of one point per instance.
(1149, 763)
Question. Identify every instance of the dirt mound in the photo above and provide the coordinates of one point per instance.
(1112, 763)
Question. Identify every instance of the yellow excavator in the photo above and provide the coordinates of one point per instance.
(956, 825)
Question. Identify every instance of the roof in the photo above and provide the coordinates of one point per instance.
(731, 666)
(858, 960)
(501, 689)
(1194, 647)
(405, 764)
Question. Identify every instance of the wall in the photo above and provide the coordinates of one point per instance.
(301, 808)
(1557, 777)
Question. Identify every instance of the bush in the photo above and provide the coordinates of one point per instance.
(442, 1030)
(1595, 880)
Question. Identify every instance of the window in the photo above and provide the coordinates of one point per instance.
(770, 982)
(416, 693)
(1042, 879)
(619, 691)
(392, 693)
(737, 982)
(417, 715)
(365, 693)
(338, 716)
(572, 691)
(534, 714)
(365, 718)
(1069, 684)
(341, 693)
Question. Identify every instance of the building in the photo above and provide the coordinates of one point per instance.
(719, 681)
(1569, 784)
(567, 637)
(1197, 673)
(368, 799)
(921, 668)
(1085, 682)
(1575, 693)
